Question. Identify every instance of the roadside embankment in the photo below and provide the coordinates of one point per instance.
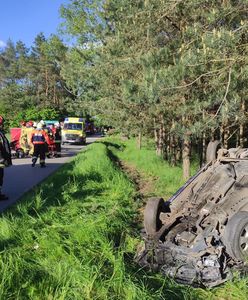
(75, 235)
(62, 240)
(155, 177)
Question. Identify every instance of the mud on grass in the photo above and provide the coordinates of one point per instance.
(144, 185)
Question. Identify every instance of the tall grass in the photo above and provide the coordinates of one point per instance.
(75, 236)
(62, 240)
(165, 181)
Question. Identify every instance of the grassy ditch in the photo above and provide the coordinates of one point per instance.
(67, 239)
(163, 180)
(75, 237)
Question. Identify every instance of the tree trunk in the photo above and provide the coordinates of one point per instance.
(173, 151)
(47, 86)
(241, 126)
(167, 147)
(164, 138)
(225, 129)
(222, 134)
(204, 147)
(161, 137)
(178, 150)
(155, 135)
(237, 140)
(225, 138)
(140, 140)
(54, 92)
(186, 157)
(212, 135)
(241, 136)
(173, 158)
(160, 142)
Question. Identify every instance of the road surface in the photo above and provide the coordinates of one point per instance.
(21, 177)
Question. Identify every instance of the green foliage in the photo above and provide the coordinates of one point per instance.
(45, 114)
(31, 78)
(185, 66)
(163, 181)
(36, 115)
(75, 236)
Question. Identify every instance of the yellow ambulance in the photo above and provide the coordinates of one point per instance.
(73, 131)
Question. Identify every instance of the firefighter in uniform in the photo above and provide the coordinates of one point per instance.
(29, 130)
(24, 138)
(57, 138)
(5, 156)
(39, 139)
(46, 130)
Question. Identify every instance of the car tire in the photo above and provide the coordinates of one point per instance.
(20, 153)
(235, 236)
(152, 222)
(212, 149)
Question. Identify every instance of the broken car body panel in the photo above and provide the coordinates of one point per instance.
(188, 236)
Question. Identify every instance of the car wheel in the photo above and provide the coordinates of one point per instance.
(212, 149)
(152, 222)
(20, 153)
(235, 237)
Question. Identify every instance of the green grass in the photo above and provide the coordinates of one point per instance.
(166, 179)
(75, 237)
(62, 241)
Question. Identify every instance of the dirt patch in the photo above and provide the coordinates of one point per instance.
(144, 184)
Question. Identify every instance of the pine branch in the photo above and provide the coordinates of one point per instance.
(227, 90)
(194, 81)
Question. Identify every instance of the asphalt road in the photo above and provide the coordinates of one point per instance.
(21, 177)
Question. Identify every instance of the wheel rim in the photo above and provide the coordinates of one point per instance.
(243, 240)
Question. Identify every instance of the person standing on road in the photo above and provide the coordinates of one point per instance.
(47, 132)
(57, 138)
(5, 156)
(24, 137)
(39, 139)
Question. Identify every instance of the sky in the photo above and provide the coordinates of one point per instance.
(24, 19)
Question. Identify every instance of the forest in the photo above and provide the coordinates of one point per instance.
(173, 71)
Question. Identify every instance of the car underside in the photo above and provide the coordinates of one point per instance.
(200, 235)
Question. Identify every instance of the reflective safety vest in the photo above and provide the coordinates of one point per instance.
(39, 137)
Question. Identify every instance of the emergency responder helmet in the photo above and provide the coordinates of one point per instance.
(39, 125)
(29, 124)
(1, 120)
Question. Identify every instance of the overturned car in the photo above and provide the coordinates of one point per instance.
(200, 235)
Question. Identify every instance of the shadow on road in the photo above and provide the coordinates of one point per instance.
(55, 193)
(21, 177)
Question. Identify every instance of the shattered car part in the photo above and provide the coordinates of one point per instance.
(201, 233)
